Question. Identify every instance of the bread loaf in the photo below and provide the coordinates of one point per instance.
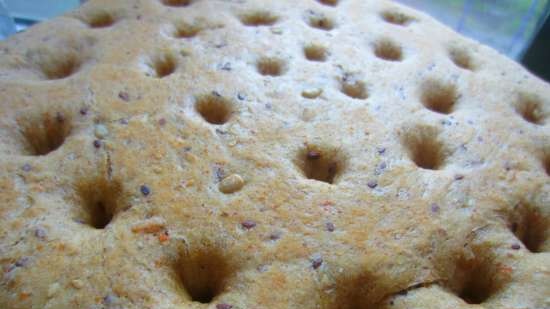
(247, 154)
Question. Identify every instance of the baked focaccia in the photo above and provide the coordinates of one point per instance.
(247, 154)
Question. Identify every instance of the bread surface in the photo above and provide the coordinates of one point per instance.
(331, 154)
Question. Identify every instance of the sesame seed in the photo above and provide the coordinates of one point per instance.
(231, 183)
(372, 184)
(329, 226)
(516, 247)
(311, 93)
(97, 143)
(101, 131)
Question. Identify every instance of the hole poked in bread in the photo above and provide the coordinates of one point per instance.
(315, 52)
(214, 108)
(477, 279)
(203, 273)
(61, 59)
(438, 96)
(271, 66)
(328, 2)
(423, 146)
(161, 64)
(461, 58)
(258, 18)
(396, 18)
(546, 163)
(101, 201)
(351, 86)
(99, 19)
(388, 50)
(59, 65)
(351, 291)
(321, 163)
(530, 226)
(320, 21)
(186, 30)
(44, 132)
(176, 3)
(531, 109)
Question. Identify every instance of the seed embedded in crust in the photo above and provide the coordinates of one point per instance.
(312, 93)
(231, 184)
(40, 233)
(144, 190)
(248, 224)
(124, 96)
(316, 262)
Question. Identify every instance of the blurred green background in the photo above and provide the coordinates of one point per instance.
(507, 25)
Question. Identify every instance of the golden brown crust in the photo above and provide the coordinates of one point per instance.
(269, 154)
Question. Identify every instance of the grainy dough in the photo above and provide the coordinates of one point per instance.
(246, 154)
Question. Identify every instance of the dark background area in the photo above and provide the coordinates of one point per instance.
(537, 57)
